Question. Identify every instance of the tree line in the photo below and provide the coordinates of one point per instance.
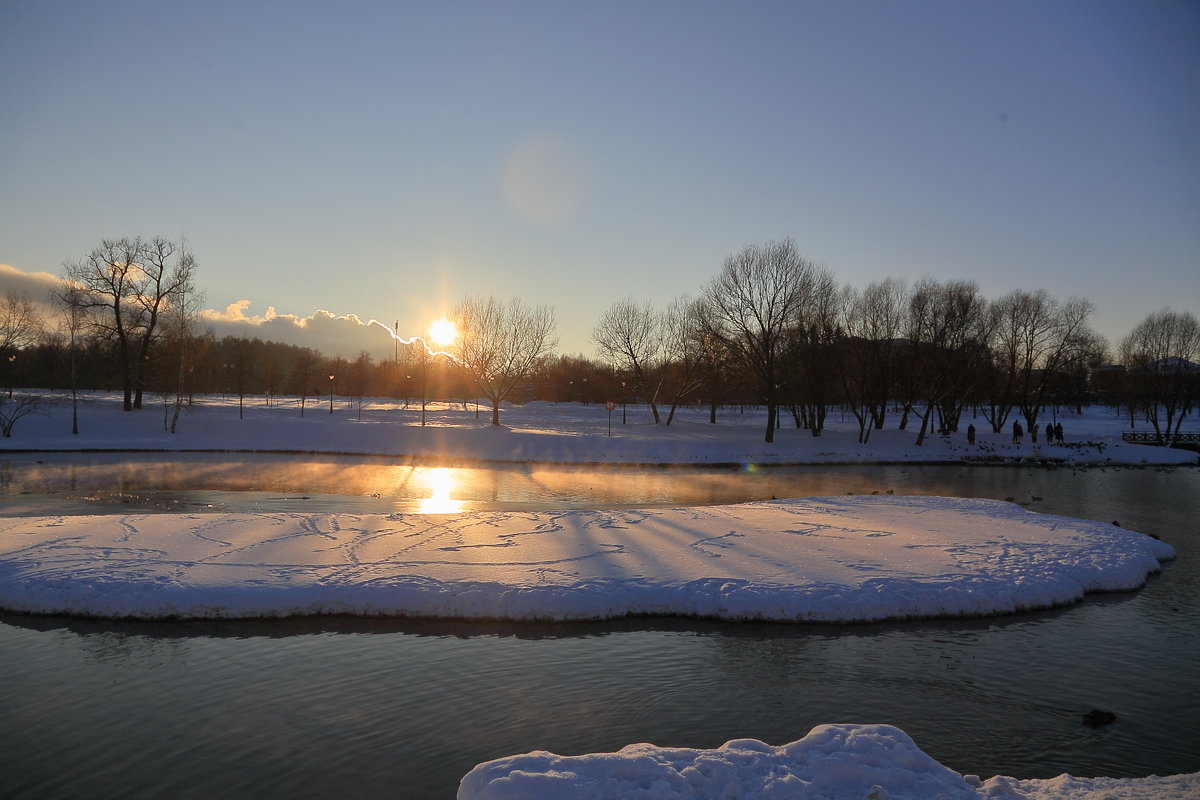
(771, 328)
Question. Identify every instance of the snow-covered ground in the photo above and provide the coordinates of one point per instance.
(855, 762)
(563, 433)
(832, 559)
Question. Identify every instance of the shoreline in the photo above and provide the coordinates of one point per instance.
(542, 433)
(460, 460)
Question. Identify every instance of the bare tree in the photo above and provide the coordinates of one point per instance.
(871, 320)
(19, 322)
(181, 312)
(71, 324)
(359, 370)
(683, 350)
(12, 409)
(1160, 355)
(630, 337)
(303, 373)
(947, 332)
(131, 280)
(243, 369)
(716, 363)
(20, 326)
(811, 354)
(1032, 341)
(1085, 352)
(753, 305)
(501, 345)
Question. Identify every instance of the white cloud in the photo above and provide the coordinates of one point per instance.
(332, 334)
(37, 286)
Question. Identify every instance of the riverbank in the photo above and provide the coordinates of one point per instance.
(567, 433)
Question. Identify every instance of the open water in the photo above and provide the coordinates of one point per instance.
(347, 707)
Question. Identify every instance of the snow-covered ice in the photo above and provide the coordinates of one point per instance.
(855, 762)
(834, 559)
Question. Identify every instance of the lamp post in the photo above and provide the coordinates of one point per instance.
(622, 402)
(12, 373)
(331, 394)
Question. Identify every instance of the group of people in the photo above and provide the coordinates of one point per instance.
(1054, 431)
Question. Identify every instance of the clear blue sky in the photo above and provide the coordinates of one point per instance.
(386, 158)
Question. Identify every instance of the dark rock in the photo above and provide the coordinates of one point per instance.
(1097, 718)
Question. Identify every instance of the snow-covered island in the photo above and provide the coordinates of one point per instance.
(831, 559)
(836, 559)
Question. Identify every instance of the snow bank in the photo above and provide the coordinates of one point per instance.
(569, 433)
(835, 559)
(863, 762)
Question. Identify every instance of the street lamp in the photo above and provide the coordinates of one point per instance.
(622, 402)
(12, 373)
(331, 394)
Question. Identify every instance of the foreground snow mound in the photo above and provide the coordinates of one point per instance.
(855, 762)
(820, 559)
(852, 761)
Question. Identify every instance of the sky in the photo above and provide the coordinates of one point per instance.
(387, 159)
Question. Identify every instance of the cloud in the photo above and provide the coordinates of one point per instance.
(331, 334)
(37, 286)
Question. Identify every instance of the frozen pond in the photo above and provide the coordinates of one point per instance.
(378, 708)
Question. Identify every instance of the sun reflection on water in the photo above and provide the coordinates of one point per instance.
(440, 482)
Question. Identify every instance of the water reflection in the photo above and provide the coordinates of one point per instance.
(441, 482)
(88, 483)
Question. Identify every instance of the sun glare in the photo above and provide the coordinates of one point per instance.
(440, 482)
(442, 332)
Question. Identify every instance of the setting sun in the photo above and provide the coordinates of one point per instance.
(442, 332)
